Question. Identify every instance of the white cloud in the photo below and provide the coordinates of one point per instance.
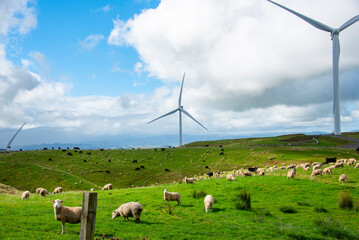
(91, 41)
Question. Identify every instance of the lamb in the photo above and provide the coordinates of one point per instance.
(189, 180)
(208, 202)
(351, 161)
(44, 192)
(291, 174)
(66, 214)
(317, 172)
(339, 164)
(126, 210)
(25, 195)
(343, 177)
(172, 196)
(327, 170)
(107, 187)
(357, 166)
(57, 190)
(230, 177)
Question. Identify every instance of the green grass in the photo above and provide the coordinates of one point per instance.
(315, 200)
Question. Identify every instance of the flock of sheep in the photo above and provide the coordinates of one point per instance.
(134, 209)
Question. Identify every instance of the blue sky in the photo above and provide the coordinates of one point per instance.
(85, 71)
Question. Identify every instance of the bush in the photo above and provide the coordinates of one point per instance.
(331, 228)
(200, 194)
(243, 201)
(288, 209)
(345, 200)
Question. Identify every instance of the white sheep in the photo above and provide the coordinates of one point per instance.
(92, 189)
(25, 195)
(66, 214)
(339, 164)
(357, 166)
(327, 170)
(38, 190)
(247, 174)
(343, 177)
(261, 172)
(208, 202)
(107, 187)
(306, 168)
(317, 172)
(126, 210)
(189, 180)
(318, 166)
(291, 174)
(351, 161)
(57, 190)
(291, 166)
(172, 196)
(230, 177)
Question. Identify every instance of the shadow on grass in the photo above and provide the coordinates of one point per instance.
(189, 205)
(218, 209)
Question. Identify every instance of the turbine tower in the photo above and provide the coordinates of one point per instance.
(181, 110)
(8, 147)
(334, 32)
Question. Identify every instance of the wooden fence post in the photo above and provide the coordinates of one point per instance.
(88, 215)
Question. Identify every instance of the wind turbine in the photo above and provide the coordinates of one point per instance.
(181, 110)
(8, 147)
(334, 32)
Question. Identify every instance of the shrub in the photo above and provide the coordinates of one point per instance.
(331, 228)
(320, 209)
(288, 209)
(345, 200)
(243, 201)
(200, 194)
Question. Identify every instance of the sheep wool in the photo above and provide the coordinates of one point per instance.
(126, 210)
(291, 174)
(357, 166)
(44, 192)
(189, 180)
(327, 170)
(66, 214)
(208, 202)
(230, 177)
(317, 172)
(57, 190)
(25, 195)
(351, 161)
(107, 187)
(38, 190)
(343, 177)
(172, 196)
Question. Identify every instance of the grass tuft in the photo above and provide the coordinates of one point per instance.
(200, 194)
(288, 209)
(305, 204)
(320, 209)
(330, 228)
(243, 201)
(345, 200)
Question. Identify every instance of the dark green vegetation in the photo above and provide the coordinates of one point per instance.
(315, 200)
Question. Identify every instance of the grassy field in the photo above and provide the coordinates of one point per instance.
(303, 208)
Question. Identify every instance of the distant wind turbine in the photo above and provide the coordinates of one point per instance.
(181, 110)
(334, 32)
(8, 147)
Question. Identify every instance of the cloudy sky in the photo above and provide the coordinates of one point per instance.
(77, 71)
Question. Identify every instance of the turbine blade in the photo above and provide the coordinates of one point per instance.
(312, 22)
(12, 139)
(164, 115)
(348, 23)
(180, 96)
(189, 115)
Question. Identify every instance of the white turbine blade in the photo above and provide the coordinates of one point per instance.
(12, 139)
(313, 22)
(164, 115)
(348, 23)
(189, 115)
(180, 96)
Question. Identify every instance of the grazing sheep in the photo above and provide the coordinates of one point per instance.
(290, 166)
(291, 174)
(306, 168)
(315, 167)
(126, 210)
(91, 190)
(327, 170)
(343, 177)
(247, 174)
(339, 164)
(38, 190)
(351, 161)
(107, 187)
(208, 202)
(66, 214)
(189, 180)
(261, 172)
(44, 192)
(172, 196)
(25, 195)
(230, 177)
(357, 166)
(57, 190)
(317, 172)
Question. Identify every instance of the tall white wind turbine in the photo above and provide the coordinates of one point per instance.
(8, 147)
(334, 32)
(181, 110)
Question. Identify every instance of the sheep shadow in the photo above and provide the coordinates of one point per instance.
(188, 205)
(215, 210)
